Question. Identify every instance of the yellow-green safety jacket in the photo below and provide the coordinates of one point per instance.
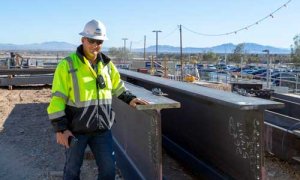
(78, 102)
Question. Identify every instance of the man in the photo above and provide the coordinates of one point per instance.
(80, 107)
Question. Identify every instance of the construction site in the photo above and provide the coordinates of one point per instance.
(192, 129)
(202, 90)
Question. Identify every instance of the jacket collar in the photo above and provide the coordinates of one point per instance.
(100, 56)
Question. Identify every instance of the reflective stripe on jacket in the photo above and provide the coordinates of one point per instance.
(76, 97)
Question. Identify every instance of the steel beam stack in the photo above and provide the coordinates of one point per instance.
(17, 77)
(282, 127)
(137, 135)
(217, 134)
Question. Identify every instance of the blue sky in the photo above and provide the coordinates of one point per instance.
(37, 21)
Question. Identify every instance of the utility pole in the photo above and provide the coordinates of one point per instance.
(268, 67)
(156, 31)
(144, 48)
(181, 58)
(130, 46)
(124, 50)
(242, 67)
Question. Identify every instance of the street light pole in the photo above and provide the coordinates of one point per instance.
(124, 50)
(268, 67)
(181, 58)
(156, 31)
(144, 48)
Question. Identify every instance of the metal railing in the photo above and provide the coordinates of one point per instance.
(292, 82)
(38, 62)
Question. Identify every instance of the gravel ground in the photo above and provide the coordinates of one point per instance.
(28, 149)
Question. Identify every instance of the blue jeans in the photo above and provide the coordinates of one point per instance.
(101, 145)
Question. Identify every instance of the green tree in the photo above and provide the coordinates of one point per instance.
(119, 54)
(115, 52)
(210, 57)
(238, 52)
(295, 49)
(253, 58)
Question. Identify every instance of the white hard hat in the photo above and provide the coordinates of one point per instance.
(94, 30)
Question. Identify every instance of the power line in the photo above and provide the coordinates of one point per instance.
(271, 15)
(138, 42)
(172, 32)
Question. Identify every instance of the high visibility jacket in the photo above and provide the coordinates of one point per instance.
(78, 101)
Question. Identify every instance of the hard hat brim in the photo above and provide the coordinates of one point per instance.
(93, 36)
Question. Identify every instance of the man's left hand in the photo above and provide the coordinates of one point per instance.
(137, 101)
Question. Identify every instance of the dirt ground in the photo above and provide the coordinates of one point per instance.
(28, 149)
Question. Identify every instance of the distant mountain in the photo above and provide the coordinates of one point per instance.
(224, 48)
(46, 46)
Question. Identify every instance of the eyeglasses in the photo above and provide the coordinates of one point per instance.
(92, 41)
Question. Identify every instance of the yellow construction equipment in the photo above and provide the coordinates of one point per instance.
(189, 78)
